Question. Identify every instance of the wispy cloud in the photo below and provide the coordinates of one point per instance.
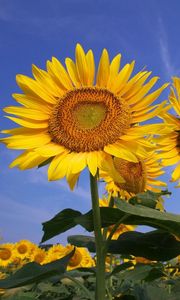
(16, 211)
(166, 57)
(40, 177)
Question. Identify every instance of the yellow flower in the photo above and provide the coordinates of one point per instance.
(39, 256)
(24, 249)
(55, 252)
(72, 121)
(80, 259)
(139, 176)
(6, 254)
(121, 228)
(169, 145)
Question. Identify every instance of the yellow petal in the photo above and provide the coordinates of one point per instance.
(170, 161)
(33, 102)
(56, 168)
(81, 65)
(72, 180)
(27, 160)
(59, 74)
(105, 164)
(114, 69)
(91, 67)
(172, 153)
(29, 123)
(123, 77)
(176, 173)
(92, 160)
(27, 113)
(50, 149)
(71, 67)
(146, 116)
(32, 87)
(143, 91)
(26, 141)
(120, 151)
(23, 131)
(150, 98)
(134, 85)
(103, 70)
(78, 162)
(46, 82)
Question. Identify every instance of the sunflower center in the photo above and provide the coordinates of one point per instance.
(5, 254)
(133, 173)
(76, 259)
(22, 249)
(89, 115)
(39, 257)
(87, 119)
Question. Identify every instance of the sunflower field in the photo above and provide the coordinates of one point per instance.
(74, 116)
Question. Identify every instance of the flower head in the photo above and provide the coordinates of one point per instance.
(24, 249)
(39, 256)
(6, 254)
(80, 259)
(169, 145)
(73, 121)
(139, 176)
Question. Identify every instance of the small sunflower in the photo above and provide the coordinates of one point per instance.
(7, 254)
(139, 176)
(169, 145)
(39, 256)
(24, 249)
(80, 259)
(55, 252)
(73, 121)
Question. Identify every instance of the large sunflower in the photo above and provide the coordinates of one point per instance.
(139, 176)
(169, 145)
(72, 121)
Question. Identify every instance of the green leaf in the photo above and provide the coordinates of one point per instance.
(121, 268)
(150, 292)
(141, 215)
(155, 273)
(33, 272)
(62, 222)
(148, 198)
(137, 274)
(135, 215)
(131, 214)
(154, 245)
(82, 241)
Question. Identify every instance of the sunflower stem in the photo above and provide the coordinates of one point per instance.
(100, 253)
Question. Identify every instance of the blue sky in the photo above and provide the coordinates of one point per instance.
(34, 31)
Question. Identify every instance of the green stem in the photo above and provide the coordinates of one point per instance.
(77, 282)
(100, 255)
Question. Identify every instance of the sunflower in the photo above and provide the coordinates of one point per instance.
(38, 256)
(7, 254)
(55, 252)
(139, 176)
(24, 249)
(80, 259)
(121, 228)
(169, 145)
(71, 121)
